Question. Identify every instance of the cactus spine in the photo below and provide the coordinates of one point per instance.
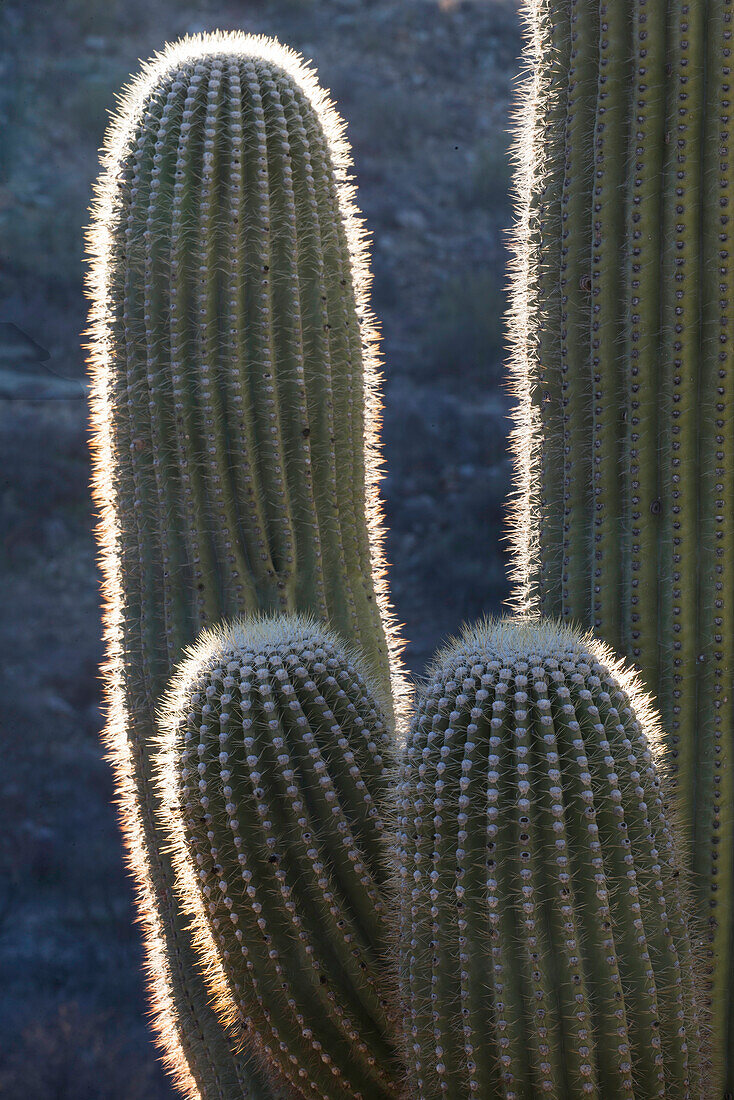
(235, 415)
(274, 773)
(544, 944)
(624, 443)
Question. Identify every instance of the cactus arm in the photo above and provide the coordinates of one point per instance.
(253, 772)
(680, 349)
(602, 998)
(353, 955)
(714, 825)
(274, 839)
(574, 277)
(432, 1037)
(642, 334)
(238, 925)
(607, 247)
(510, 1032)
(196, 520)
(340, 850)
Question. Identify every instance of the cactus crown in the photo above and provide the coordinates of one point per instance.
(274, 770)
(544, 945)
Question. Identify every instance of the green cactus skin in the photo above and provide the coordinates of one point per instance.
(235, 414)
(275, 772)
(623, 373)
(544, 945)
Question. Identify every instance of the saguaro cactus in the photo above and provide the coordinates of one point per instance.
(544, 946)
(624, 439)
(275, 774)
(235, 415)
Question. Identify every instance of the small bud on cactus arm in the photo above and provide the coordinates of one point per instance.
(235, 413)
(544, 940)
(274, 776)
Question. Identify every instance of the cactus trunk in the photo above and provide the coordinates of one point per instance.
(623, 368)
(544, 945)
(235, 415)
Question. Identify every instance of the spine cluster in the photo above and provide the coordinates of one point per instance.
(544, 948)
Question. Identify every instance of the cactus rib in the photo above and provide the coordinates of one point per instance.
(535, 847)
(657, 584)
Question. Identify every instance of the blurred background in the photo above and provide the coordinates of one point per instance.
(426, 88)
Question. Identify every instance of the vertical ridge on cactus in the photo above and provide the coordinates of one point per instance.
(235, 414)
(274, 775)
(544, 945)
(631, 400)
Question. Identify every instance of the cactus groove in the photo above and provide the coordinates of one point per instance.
(632, 267)
(544, 945)
(235, 413)
(275, 775)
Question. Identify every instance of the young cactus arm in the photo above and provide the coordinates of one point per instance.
(578, 898)
(226, 250)
(274, 778)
